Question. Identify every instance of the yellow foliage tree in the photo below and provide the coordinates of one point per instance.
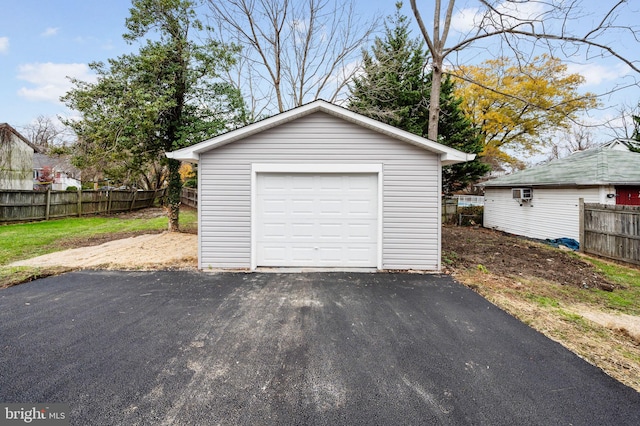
(519, 106)
(186, 171)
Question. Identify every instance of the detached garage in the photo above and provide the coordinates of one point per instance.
(319, 186)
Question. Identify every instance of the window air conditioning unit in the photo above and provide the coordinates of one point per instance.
(523, 194)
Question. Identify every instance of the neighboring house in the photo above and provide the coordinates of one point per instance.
(16, 159)
(60, 174)
(319, 186)
(543, 201)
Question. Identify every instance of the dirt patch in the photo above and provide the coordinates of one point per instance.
(168, 250)
(503, 254)
(149, 213)
(96, 240)
(628, 325)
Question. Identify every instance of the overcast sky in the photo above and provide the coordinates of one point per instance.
(44, 41)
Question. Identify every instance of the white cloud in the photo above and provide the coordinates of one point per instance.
(596, 74)
(4, 44)
(464, 20)
(522, 11)
(49, 81)
(50, 32)
(507, 14)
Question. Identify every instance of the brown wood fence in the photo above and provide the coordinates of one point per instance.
(189, 197)
(610, 231)
(22, 206)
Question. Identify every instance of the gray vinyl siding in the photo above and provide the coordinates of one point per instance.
(410, 188)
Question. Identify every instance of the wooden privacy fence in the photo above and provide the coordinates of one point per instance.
(23, 206)
(189, 197)
(610, 231)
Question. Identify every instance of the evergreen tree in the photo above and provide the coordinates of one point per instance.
(394, 88)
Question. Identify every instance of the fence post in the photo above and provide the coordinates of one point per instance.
(79, 202)
(46, 211)
(133, 200)
(581, 223)
(109, 201)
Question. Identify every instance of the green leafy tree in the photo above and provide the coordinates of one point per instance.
(394, 88)
(166, 96)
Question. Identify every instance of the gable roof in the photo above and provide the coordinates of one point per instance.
(609, 164)
(7, 127)
(447, 155)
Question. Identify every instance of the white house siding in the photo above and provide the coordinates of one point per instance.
(410, 217)
(552, 212)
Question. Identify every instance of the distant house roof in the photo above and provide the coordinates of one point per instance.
(610, 164)
(58, 163)
(7, 127)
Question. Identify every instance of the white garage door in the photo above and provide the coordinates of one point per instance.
(316, 220)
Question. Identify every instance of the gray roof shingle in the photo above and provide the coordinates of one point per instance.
(609, 164)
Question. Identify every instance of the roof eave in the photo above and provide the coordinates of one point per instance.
(184, 154)
(448, 160)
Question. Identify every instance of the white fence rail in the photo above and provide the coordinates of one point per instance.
(469, 200)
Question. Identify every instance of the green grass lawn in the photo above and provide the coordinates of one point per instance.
(627, 298)
(26, 240)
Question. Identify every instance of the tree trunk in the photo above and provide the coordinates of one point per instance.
(434, 100)
(173, 195)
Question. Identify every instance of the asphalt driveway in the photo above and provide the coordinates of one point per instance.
(324, 348)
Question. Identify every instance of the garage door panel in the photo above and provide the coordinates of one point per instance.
(303, 207)
(357, 254)
(302, 230)
(276, 185)
(274, 253)
(322, 220)
(322, 255)
(300, 183)
(361, 207)
(275, 231)
(274, 207)
(300, 255)
(333, 231)
(360, 231)
(359, 184)
(329, 183)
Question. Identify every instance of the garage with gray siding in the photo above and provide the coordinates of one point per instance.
(319, 187)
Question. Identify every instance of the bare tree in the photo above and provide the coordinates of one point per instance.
(524, 27)
(577, 138)
(44, 132)
(292, 51)
(623, 125)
